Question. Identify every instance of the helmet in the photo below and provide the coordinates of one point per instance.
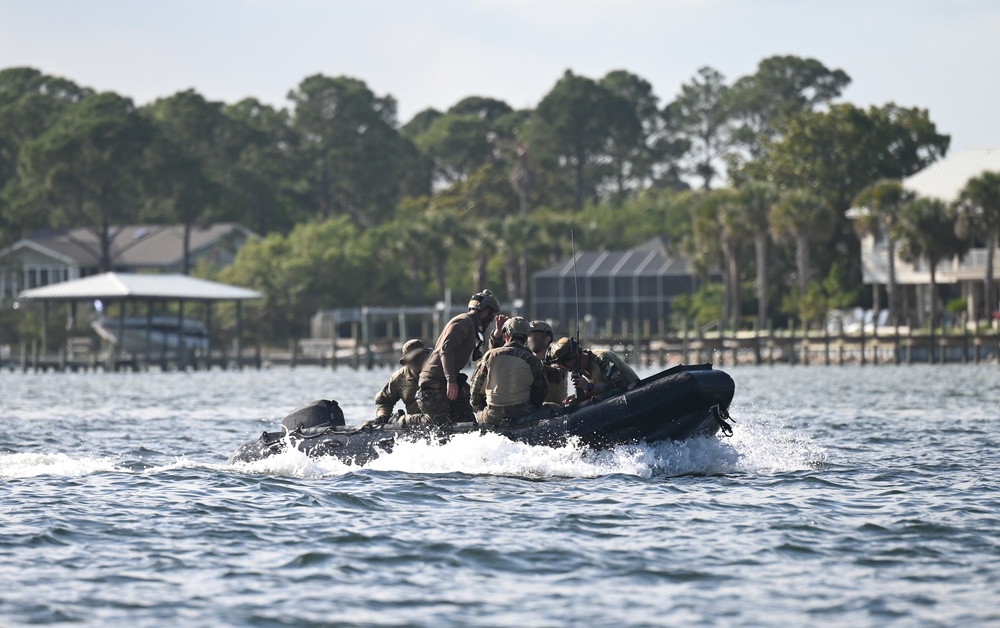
(484, 299)
(563, 349)
(517, 326)
(542, 326)
(412, 349)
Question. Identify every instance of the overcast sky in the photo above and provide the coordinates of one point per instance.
(939, 54)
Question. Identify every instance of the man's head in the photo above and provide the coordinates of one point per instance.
(540, 337)
(516, 329)
(485, 305)
(414, 354)
(564, 353)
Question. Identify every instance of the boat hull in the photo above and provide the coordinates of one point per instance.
(675, 404)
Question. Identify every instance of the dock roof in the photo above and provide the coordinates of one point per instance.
(133, 287)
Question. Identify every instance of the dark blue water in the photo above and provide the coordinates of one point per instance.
(864, 496)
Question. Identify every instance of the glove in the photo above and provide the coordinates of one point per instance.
(378, 420)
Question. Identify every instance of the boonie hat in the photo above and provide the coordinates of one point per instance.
(413, 348)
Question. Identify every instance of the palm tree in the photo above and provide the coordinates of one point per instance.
(408, 239)
(758, 198)
(979, 203)
(731, 214)
(801, 216)
(446, 230)
(883, 202)
(927, 228)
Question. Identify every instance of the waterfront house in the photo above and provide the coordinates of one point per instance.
(52, 256)
(957, 278)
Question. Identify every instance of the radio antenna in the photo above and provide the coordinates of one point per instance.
(576, 284)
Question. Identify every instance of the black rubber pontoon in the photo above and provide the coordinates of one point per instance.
(675, 404)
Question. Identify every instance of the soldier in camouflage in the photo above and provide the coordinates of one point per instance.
(538, 343)
(592, 371)
(402, 386)
(510, 381)
(443, 395)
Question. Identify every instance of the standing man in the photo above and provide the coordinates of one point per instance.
(443, 395)
(402, 386)
(510, 381)
(538, 343)
(593, 371)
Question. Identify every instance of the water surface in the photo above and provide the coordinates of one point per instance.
(848, 495)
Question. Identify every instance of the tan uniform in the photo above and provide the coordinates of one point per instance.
(402, 386)
(454, 347)
(509, 382)
(557, 384)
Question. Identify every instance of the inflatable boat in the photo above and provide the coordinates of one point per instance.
(681, 402)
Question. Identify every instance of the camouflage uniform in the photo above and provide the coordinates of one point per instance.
(607, 371)
(509, 383)
(557, 384)
(402, 386)
(459, 340)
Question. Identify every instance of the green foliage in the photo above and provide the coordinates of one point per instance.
(86, 169)
(702, 115)
(820, 297)
(703, 307)
(957, 306)
(354, 208)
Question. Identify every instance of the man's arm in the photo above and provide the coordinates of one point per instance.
(455, 335)
(478, 397)
(386, 398)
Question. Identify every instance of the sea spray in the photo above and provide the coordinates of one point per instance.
(27, 465)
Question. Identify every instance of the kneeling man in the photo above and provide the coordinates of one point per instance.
(510, 381)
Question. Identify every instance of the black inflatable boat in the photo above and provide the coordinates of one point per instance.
(675, 404)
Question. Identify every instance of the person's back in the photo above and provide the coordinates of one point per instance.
(609, 371)
(443, 395)
(510, 381)
(509, 376)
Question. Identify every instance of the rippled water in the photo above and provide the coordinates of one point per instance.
(848, 496)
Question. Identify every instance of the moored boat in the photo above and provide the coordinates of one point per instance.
(675, 404)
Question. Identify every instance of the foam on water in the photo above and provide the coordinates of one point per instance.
(761, 444)
(30, 465)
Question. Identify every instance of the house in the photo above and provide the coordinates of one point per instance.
(53, 256)
(619, 291)
(958, 278)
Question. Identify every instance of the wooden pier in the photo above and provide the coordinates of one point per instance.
(794, 347)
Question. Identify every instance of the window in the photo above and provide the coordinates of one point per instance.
(43, 277)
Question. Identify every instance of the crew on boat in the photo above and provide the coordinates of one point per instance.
(592, 371)
(510, 382)
(541, 337)
(402, 386)
(443, 391)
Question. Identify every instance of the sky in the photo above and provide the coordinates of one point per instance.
(940, 55)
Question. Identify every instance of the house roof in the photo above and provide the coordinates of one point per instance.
(128, 286)
(945, 179)
(647, 259)
(134, 245)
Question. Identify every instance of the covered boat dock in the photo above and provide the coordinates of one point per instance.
(127, 288)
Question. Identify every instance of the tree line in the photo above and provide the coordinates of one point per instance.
(751, 177)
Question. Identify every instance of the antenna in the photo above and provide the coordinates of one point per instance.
(576, 292)
(576, 284)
